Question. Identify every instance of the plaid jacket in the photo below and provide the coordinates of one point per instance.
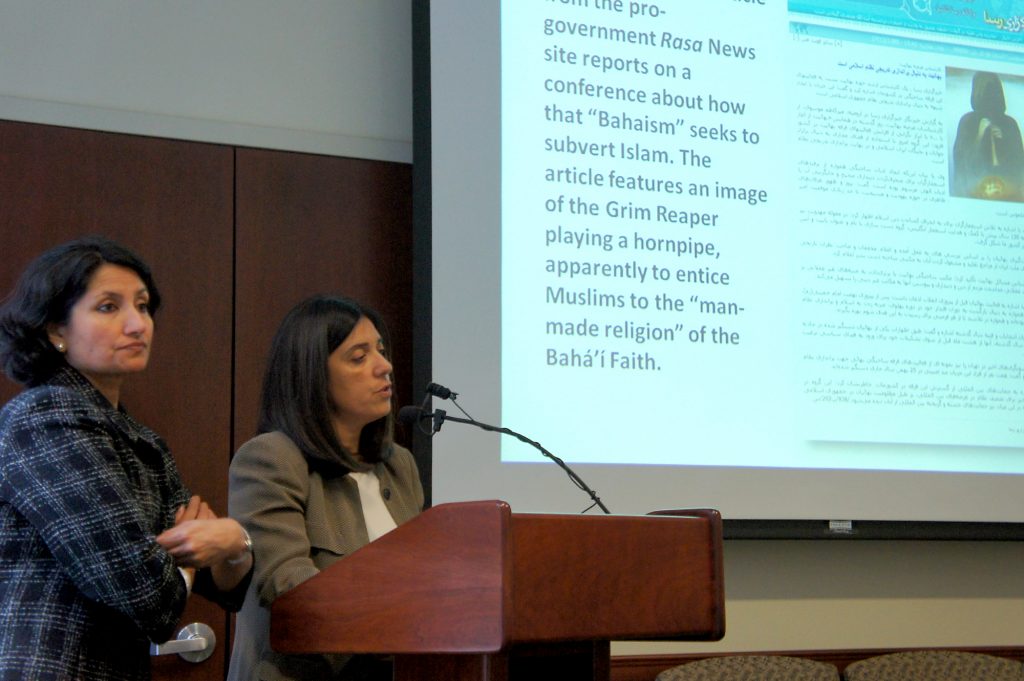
(84, 489)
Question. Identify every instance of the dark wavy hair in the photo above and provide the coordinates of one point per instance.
(43, 297)
(296, 394)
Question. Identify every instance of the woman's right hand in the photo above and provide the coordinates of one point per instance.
(199, 538)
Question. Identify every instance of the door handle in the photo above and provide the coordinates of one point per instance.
(195, 643)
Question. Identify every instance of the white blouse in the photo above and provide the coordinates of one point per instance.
(378, 518)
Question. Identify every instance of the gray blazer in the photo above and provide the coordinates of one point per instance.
(300, 522)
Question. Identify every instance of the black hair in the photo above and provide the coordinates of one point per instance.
(43, 297)
(296, 392)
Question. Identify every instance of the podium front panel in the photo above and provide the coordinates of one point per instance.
(615, 578)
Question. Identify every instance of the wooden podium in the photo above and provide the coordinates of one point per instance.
(473, 591)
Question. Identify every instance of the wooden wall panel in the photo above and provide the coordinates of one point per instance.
(316, 224)
(172, 203)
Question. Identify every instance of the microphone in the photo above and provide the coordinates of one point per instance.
(436, 390)
(412, 414)
(440, 391)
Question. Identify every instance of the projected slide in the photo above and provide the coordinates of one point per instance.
(741, 233)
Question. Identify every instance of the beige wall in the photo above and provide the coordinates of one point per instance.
(306, 75)
(807, 595)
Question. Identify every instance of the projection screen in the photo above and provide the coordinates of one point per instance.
(749, 255)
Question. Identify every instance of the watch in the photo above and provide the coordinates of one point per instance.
(247, 540)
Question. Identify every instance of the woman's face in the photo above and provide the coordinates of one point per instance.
(109, 331)
(359, 380)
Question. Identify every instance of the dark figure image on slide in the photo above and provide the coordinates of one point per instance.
(988, 156)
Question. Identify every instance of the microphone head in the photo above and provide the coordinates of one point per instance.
(440, 391)
(410, 415)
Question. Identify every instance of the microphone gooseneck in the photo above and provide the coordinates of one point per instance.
(412, 414)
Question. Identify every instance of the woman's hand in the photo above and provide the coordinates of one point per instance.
(200, 539)
(196, 509)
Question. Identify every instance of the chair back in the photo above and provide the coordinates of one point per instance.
(930, 665)
(752, 668)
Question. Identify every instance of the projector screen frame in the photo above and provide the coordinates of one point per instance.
(843, 530)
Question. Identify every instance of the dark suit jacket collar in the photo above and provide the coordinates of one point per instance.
(72, 379)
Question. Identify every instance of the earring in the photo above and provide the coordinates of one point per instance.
(61, 347)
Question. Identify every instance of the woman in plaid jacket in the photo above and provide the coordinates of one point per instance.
(100, 540)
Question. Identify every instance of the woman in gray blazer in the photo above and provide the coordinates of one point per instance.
(323, 476)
